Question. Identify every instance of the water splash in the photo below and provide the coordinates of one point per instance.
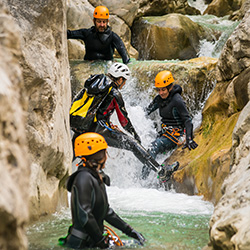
(221, 27)
(199, 5)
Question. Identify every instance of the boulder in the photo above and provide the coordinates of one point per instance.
(14, 159)
(173, 36)
(222, 8)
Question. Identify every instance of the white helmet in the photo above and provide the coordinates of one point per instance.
(119, 70)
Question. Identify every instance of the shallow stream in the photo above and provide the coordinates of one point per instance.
(166, 219)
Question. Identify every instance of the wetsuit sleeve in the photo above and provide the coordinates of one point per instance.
(152, 106)
(82, 203)
(122, 115)
(77, 34)
(184, 114)
(114, 220)
(119, 45)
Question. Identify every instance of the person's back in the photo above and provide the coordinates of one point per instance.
(100, 41)
(89, 201)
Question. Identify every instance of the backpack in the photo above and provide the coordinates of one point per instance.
(86, 103)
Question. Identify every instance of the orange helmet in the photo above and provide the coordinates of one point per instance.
(163, 79)
(101, 12)
(89, 143)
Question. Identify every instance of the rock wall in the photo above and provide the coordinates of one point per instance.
(230, 222)
(47, 87)
(14, 160)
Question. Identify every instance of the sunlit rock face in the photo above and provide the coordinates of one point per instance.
(229, 225)
(14, 160)
(203, 170)
(47, 87)
(173, 36)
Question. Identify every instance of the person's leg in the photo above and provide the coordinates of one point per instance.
(118, 139)
(160, 145)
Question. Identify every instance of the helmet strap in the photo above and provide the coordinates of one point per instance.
(120, 84)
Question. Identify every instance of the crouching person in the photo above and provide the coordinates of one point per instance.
(89, 201)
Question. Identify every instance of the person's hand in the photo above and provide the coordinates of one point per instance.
(138, 236)
(190, 144)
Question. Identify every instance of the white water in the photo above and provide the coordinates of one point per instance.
(222, 26)
(198, 4)
(128, 193)
(139, 200)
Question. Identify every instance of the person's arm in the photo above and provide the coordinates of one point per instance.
(152, 106)
(122, 115)
(119, 45)
(76, 34)
(114, 220)
(184, 114)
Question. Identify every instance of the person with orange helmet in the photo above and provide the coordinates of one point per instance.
(100, 41)
(175, 118)
(89, 201)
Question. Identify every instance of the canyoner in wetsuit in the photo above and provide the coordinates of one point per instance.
(118, 73)
(89, 201)
(100, 41)
(176, 122)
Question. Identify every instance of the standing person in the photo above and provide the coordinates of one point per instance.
(118, 74)
(89, 201)
(175, 119)
(100, 41)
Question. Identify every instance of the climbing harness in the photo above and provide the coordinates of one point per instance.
(111, 235)
(176, 135)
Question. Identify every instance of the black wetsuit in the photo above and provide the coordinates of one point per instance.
(174, 116)
(173, 110)
(100, 45)
(89, 209)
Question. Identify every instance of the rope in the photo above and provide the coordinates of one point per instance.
(110, 233)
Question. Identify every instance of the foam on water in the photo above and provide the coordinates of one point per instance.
(152, 200)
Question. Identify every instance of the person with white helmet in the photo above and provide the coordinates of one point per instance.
(89, 201)
(118, 74)
(100, 41)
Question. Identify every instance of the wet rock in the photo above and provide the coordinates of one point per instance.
(173, 36)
